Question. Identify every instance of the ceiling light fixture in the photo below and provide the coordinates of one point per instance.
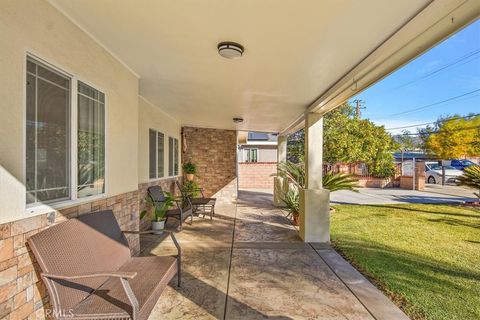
(230, 50)
(237, 120)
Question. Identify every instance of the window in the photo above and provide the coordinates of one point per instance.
(90, 141)
(49, 137)
(47, 134)
(156, 156)
(172, 156)
(251, 155)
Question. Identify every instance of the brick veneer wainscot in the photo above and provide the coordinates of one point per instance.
(167, 184)
(214, 152)
(22, 293)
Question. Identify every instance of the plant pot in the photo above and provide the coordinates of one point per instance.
(190, 176)
(158, 226)
(295, 220)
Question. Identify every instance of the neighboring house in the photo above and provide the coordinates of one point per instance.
(258, 147)
(257, 159)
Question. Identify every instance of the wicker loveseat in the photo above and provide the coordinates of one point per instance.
(90, 274)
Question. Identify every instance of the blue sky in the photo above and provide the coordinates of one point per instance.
(420, 83)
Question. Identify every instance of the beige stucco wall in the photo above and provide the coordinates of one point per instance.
(34, 26)
(152, 117)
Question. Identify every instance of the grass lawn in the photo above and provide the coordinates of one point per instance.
(426, 257)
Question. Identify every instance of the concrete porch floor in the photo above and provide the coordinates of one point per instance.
(249, 263)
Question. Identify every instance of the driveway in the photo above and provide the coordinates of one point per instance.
(431, 194)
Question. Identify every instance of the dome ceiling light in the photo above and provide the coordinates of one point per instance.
(230, 50)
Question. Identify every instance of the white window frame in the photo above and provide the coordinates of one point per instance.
(247, 151)
(173, 158)
(156, 155)
(39, 207)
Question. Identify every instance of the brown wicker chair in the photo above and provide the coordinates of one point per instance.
(90, 274)
(203, 202)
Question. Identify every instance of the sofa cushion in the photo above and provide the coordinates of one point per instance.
(110, 300)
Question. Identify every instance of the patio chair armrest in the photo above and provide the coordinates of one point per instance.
(115, 274)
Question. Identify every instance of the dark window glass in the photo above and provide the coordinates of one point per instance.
(47, 135)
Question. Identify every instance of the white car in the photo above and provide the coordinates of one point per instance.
(433, 173)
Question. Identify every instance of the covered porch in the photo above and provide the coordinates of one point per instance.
(101, 100)
(250, 263)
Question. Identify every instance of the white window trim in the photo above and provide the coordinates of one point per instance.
(245, 154)
(157, 178)
(173, 160)
(38, 207)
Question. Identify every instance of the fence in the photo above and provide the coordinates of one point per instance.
(356, 169)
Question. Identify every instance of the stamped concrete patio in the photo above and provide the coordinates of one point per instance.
(249, 263)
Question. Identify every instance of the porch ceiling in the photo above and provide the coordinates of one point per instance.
(294, 51)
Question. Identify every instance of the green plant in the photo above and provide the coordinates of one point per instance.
(189, 168)
(191, 189)
(295, 173)
(159, 209)
(339, 181)
(383, 166)
(471, 178)
(292, 201)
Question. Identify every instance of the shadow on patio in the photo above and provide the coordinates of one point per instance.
(249, 263)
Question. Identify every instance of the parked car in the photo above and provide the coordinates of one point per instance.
(461, 164)
(433, 173)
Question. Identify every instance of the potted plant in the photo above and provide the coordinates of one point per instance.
(191, 189)
(471, 178)
(189, 169)
(159, 211)
(292, 203)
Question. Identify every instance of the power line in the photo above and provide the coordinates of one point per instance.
(446, 66)
(427, 123)
(438, 131)
(433, 104)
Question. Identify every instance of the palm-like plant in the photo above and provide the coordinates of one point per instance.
(295, 173)
(471, 178)
(339, 181)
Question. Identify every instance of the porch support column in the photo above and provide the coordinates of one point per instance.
(278, 183)
(314, 200)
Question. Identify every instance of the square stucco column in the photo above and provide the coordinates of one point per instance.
(278, 183)
(314, 200)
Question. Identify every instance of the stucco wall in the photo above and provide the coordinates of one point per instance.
(34, 26)
(152, 117)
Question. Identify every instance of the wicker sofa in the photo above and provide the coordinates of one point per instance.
(89, 272)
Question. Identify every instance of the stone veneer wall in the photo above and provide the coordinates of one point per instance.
(22, 293)
(167, 184)
(214, 152)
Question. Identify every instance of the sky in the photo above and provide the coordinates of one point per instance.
(450, 69)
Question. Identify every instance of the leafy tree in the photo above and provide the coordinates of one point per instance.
(296, 147)
(453, 137)
(406, 141)
(348, 139)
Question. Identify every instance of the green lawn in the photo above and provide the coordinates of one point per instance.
(425, 257)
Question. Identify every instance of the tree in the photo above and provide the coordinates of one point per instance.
(348, 139)
(453, 137)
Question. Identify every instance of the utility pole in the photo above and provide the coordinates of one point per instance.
(359, 108)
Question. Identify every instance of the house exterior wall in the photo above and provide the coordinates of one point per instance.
(152, 117)
(214, 152)
(36, 27)
(266, 153)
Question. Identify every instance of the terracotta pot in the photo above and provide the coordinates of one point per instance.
(190, 176)
(295, 220)
(158, 226)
